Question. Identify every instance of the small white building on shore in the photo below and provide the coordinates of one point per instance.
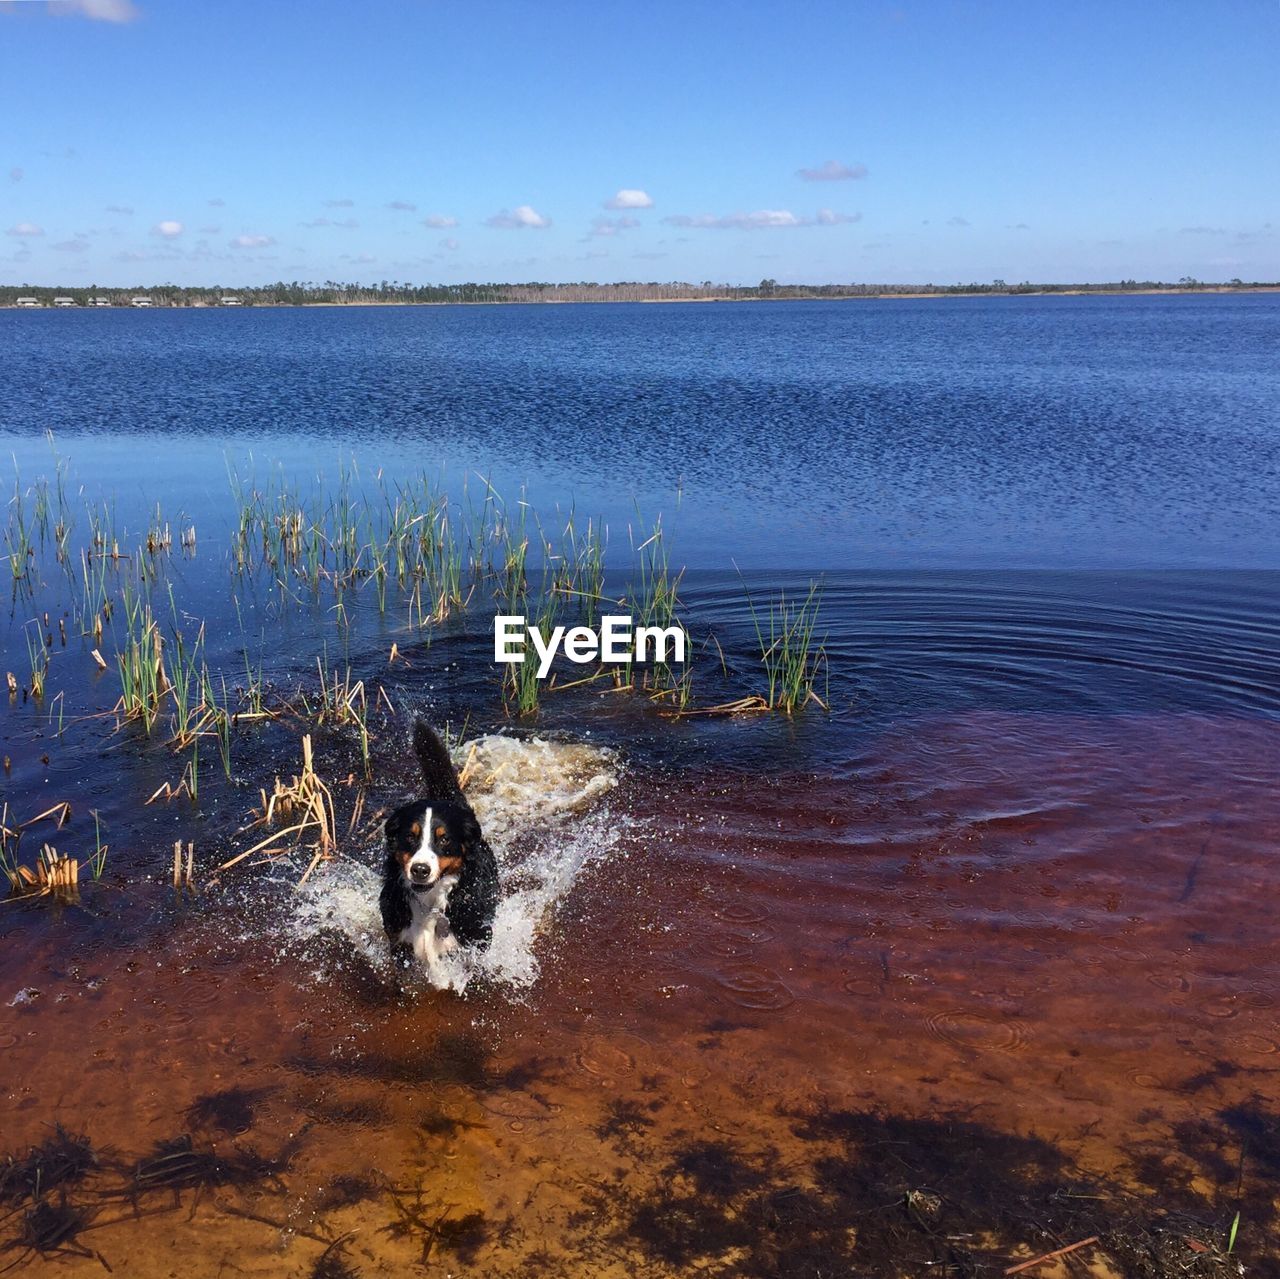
(28, 301)
(140, 300)
(64, 301)
(99, 301)
(229, 300)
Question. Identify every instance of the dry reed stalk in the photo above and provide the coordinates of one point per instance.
(167, 792)
(305, 795)
(467, 771)
(55, 875)
(61, 813)
(744, 705)
(184, 866)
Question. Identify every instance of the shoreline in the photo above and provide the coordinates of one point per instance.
(1047, 292)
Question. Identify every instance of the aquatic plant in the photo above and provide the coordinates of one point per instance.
(37, 658)
(791, 655)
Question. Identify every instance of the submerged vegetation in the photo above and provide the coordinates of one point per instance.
(425, 562)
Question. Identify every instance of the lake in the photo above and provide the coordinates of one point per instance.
(968, 958)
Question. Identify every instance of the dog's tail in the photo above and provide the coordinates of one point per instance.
(437, 768)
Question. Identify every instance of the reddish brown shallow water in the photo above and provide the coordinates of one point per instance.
(1000, 981)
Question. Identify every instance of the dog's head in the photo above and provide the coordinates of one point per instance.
(430, 841)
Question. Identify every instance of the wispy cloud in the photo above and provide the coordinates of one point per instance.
(71, 246)
(833, 171)
(217, 202)
(760, 220)
(339, 204)
(343, 224)
(630, 198)
(402, 206)
(1202, 230)
(120, 208)
(451, 244)
(168, 230)
(15, 174)
(523, 215)
(612, 226)
(97, 10)
(252, 241)
(439, 222)
(26, 229)
(957, 221)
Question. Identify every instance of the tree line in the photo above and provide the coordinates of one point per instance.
(337, 293)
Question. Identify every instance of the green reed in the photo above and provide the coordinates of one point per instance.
(655, 601)
(37, 657)
(98, 859)
(791, 654)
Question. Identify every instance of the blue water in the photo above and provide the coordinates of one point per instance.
(994, 432)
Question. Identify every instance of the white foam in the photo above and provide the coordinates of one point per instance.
(532, 797)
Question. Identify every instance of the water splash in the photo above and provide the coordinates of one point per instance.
(531, 796)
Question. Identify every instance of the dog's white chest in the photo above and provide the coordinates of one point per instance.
(428, 935)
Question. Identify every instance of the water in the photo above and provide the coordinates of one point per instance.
(1068, 432)
(979, 959)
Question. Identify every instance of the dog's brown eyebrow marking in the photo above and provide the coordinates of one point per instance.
(439, 832)
(448, 864)
(416, 829)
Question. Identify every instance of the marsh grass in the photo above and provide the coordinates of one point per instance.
(792, 655)
(37, 657)
(19, 550)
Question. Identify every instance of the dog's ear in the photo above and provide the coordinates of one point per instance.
(393, 827)
(471, 834)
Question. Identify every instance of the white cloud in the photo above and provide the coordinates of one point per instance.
(523, 215)
(252, 241)
(26, 229)
(833, 171)
(451, 244)
(168, 230)
(630, 198)
(403, 206)
(612, 226)
(829, 217)
(760, 220)
(98, 10)
(439, 222)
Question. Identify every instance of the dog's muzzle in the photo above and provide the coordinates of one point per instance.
(421, 875)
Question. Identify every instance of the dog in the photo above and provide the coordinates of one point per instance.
(440, 879)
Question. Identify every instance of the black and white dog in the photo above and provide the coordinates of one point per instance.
(440, 880)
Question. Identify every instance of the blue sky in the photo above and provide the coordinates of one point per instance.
(241, 141)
